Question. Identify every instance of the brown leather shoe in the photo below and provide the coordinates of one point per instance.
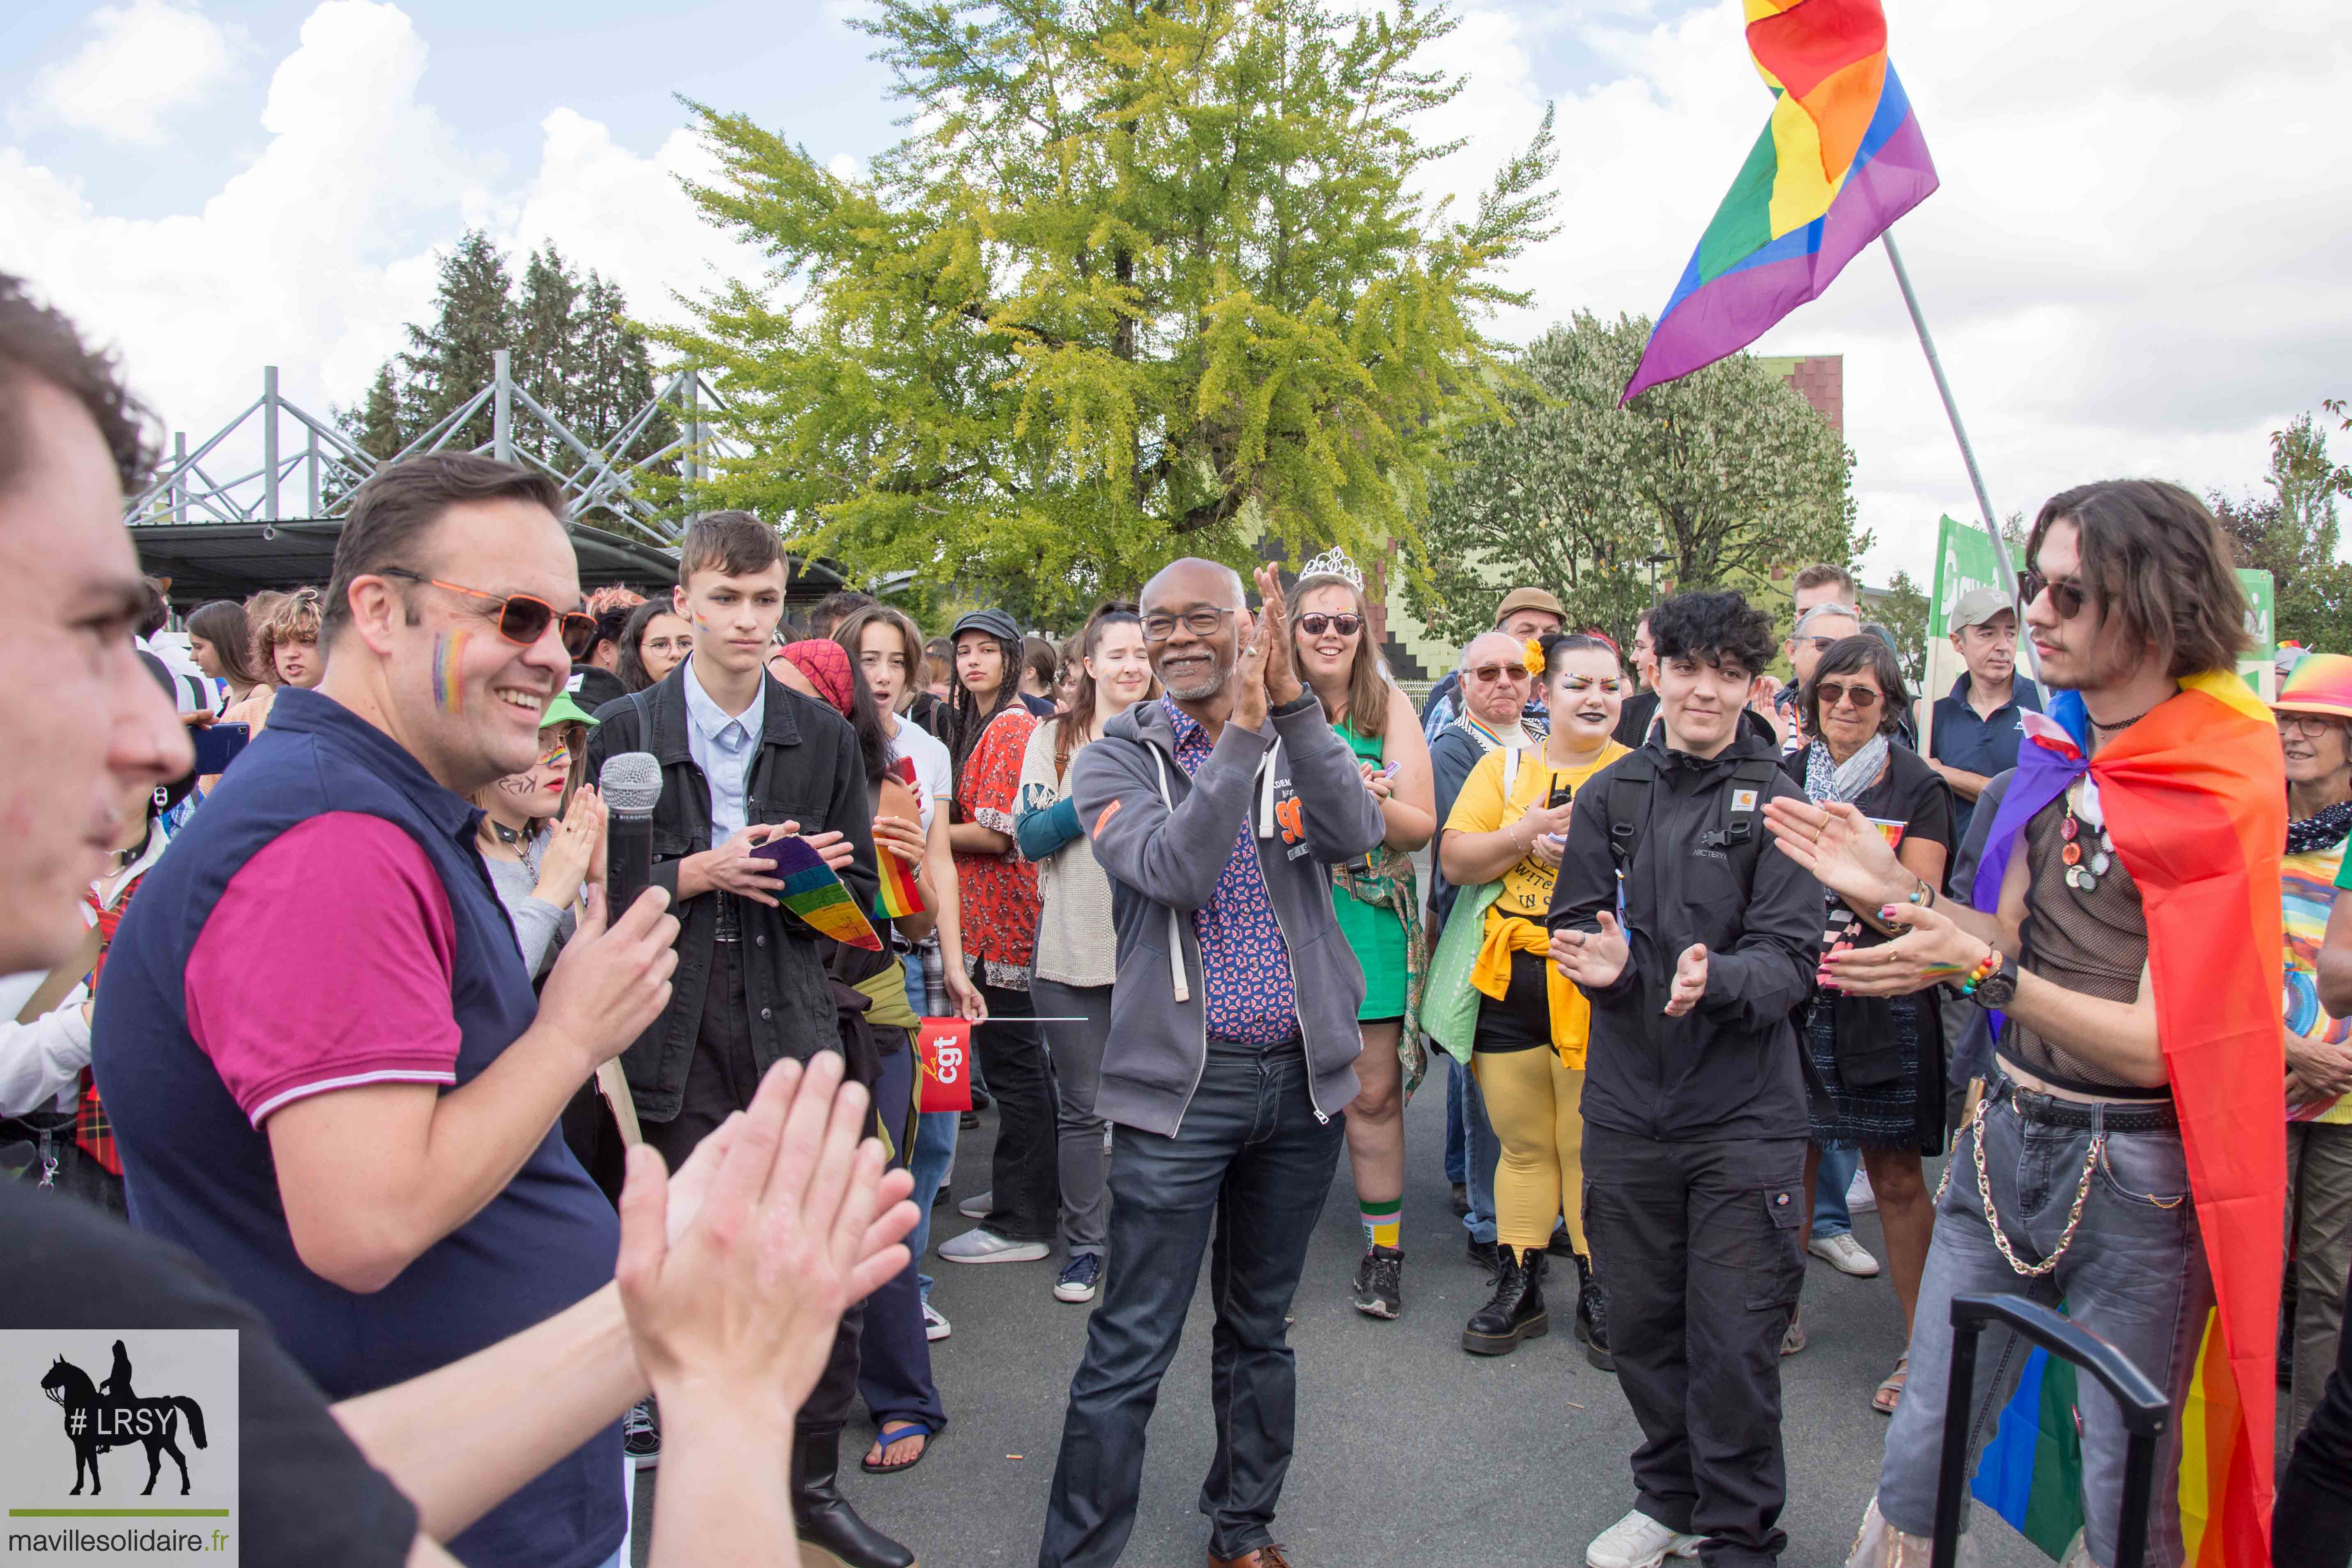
(1261, 1557)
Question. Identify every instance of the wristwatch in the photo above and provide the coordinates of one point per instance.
(1998, 989)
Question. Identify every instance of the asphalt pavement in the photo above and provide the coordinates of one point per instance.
(1409, 1451)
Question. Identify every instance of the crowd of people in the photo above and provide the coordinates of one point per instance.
(1713, 961)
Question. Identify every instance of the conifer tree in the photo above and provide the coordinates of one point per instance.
(447, 363)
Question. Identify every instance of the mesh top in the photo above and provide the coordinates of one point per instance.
(2094, 943)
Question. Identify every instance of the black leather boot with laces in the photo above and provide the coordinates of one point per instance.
(1516, 1313)
(1592, 1315)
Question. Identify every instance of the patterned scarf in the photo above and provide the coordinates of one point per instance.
(1827, 781)
(2323, 829)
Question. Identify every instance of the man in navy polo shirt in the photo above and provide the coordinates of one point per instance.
(315, 1034)
(1976, 725)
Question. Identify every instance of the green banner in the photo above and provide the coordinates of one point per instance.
(1964, 560)
(2260, 666)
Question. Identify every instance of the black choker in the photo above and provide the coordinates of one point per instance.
(510, 836)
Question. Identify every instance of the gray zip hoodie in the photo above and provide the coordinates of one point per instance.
(1164, 839)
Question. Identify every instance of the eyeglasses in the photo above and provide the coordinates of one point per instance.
(1490, 673)
(1820, 645)
(2308, 723)
(1202, 622)
(2066, 598)
(1316, 625)
(1830, 693)
(522, 618)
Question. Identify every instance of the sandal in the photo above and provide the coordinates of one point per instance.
(1890, 1393)
(897, 1432)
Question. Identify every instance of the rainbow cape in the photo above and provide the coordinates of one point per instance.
(1840, 160)
(2195, 799)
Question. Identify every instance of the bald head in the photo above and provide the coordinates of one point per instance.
(1496, 702)
(1194, 581)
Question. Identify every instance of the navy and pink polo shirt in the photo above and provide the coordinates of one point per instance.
(325, 921)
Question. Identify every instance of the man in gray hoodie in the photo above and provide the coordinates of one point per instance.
(1217, 811)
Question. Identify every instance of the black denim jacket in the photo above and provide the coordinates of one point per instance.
(807, 771)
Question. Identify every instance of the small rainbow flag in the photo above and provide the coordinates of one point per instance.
(1841, 159)
(899, 895)
(814, 893)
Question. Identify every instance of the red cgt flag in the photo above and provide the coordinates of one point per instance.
(944, 1046)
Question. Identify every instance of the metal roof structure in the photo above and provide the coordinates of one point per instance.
(274, 525)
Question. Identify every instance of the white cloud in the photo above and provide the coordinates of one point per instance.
(315, 255)
(2136, 264)
(145, 60)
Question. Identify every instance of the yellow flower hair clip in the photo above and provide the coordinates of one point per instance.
(1535, 657)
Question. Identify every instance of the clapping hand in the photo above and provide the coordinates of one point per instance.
(1933, 949)
(1281, 678)
(1690, 980)
(1841, 847)
(1593, 959)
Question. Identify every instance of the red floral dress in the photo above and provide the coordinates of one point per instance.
(1000, 902)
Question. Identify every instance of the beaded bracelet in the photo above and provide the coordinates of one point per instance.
(1981, 972)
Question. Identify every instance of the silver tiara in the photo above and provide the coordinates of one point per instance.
(1334, 562)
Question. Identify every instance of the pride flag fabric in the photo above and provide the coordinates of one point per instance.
(1840, 160)
(814, 893)
(2195, 799)
(900, 894)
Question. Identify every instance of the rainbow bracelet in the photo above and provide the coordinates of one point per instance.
(1981, 972)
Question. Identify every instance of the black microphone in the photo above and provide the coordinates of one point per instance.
(631, 785)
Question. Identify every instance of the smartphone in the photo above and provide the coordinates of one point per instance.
(1553, 801)
(217, 745)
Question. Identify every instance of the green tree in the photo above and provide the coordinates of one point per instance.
(1142, 279)
(1710, 481)
(1903, 611)
(2292, 533)
(546, 355)
(449, 360)
(612, 380)
(375, 425)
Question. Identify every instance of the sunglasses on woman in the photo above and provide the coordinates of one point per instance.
(522, 619)
(1833, 692)
(1316, 625)
(2066, 598)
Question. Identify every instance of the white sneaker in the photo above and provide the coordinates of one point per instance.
(1859, 1198)
(1844, 1254)
(935, 1324)
(977, 1208)
(1637, 1541)
(981, 1245)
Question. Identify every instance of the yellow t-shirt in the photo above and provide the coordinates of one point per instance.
(1481, 808)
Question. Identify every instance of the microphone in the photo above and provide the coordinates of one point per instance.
(631, 785)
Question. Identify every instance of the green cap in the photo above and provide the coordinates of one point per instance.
(562, 709)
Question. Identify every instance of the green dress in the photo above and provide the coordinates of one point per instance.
(1374, 931)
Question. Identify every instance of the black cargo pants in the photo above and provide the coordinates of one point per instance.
(1699, 1246)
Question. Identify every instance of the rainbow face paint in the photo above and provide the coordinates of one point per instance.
(449, 666)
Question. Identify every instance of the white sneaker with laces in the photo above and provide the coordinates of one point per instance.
(935, 1324)
(1844, 1254)
(977, 1208)
(1859, 1198)
(1637, 1541)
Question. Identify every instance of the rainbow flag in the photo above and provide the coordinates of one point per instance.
(898, 895)
(2195, 799)
(814, 893)
(1841, 159)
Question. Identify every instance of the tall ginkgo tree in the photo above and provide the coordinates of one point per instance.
(1141, 280)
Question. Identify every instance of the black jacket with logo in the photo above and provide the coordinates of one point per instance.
(1729, 1068)
(807, 771)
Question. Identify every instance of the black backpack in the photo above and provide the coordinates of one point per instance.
(1741, 840)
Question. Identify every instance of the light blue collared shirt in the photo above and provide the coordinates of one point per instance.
(722, 745)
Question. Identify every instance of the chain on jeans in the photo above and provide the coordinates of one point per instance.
(1992, 1218)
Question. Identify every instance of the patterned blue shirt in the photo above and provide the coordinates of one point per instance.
(1246, 982)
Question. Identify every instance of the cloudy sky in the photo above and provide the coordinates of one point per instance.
(2138, 261)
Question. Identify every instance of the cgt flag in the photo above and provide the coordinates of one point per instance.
(944, 1047)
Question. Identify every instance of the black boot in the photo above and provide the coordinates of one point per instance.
(1592, 1315)
(1516, 1312)
(830, 1531)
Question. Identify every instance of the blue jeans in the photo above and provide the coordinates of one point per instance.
(1471, 1148)
(2135, 1275)
(893, 1362)
(1830, 1179)
(1243, 1180)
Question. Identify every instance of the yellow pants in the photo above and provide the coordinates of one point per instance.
(1531, 1102)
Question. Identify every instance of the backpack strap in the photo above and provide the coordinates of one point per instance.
(1741, 837)
(1630, 783)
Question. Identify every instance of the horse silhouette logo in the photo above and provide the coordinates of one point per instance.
(112, 1417)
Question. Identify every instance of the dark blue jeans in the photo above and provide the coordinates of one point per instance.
(1249, 1170)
